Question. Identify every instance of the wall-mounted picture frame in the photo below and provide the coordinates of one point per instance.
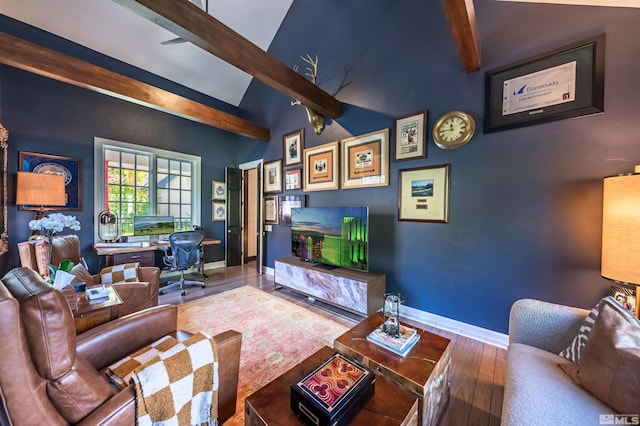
(288, 202)
(321, 167)
(218, 210)
(563, 83)
(410, 140)
(271, 210)
(272, 174)
(293, 147)
(292, 179)
(365, 160)
(69, 167)
(218, 190)
(423, 194)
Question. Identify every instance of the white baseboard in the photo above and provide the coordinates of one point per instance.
(468, 330)
(208, 265)
(215, 265)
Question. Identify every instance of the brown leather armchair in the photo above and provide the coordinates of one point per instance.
(34, 254)
(50, 376)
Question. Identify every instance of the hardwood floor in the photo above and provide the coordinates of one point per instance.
(477, 369)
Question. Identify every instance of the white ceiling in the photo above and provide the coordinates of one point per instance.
(113, 30)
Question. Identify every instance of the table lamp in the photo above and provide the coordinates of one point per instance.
(40, 189)
(621, 230)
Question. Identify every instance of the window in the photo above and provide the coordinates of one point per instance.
(133, 180)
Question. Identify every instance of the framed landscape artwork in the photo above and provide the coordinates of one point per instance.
(68, 167)
(273, 176)
(320, 167)
(365, 160)
(292, 147)
(410, 136)
(423, 194)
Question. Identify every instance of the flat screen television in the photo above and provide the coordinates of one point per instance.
(153, 225)
(335, 236)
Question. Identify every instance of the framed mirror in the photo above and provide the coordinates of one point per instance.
(4, 238)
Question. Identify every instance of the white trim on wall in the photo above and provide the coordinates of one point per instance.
(458, 327)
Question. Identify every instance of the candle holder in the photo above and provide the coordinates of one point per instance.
(391, 314)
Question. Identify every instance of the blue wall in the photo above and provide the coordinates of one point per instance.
(525, 203)
(47, 116)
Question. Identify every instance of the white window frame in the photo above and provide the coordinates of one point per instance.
(99, 146)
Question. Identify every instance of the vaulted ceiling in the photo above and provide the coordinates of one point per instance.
(136, 32)
(116, 31)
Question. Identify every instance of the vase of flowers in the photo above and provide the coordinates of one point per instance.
(49, 226)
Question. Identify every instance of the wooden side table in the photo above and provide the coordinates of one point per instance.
(270, 405)
(88, 315)
(424, 371)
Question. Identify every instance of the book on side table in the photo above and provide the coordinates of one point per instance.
(399, 345)
(97, 294)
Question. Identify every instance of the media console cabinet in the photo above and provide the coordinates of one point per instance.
(359, 292)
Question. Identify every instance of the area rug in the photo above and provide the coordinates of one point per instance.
(276, 334)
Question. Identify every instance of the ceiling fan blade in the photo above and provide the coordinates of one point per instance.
(177, 40)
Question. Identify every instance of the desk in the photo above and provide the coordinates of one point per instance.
(143, 255)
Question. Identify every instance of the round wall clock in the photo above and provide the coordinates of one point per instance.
(453, 129)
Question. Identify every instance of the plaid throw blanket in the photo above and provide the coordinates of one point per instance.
(176, 383)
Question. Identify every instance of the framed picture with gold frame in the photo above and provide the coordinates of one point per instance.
(410, 136)
(423, 194)
(218, 210)
(365, 160)
(321, 167)
(272, 175)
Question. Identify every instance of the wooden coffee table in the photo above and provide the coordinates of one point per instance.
(270, 405)
(424, 371)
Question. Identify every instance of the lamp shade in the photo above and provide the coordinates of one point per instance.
(39, 189)
(621, 228)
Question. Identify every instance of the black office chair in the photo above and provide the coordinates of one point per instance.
(185, 253)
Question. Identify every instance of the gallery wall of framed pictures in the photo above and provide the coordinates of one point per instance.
(218, 200)
(361, 161)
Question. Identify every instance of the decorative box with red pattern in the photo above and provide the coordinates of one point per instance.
(333, 393)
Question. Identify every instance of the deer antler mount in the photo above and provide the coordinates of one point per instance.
(315, 118)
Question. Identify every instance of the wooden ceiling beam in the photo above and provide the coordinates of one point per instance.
(462, 21)
(193, 24)
(30, 57)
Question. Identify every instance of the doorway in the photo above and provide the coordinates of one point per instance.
(250, 211)
(252, 224)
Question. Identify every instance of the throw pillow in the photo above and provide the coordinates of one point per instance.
(81, 274)
(610, 364)
(573, 351)
(125, 273)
